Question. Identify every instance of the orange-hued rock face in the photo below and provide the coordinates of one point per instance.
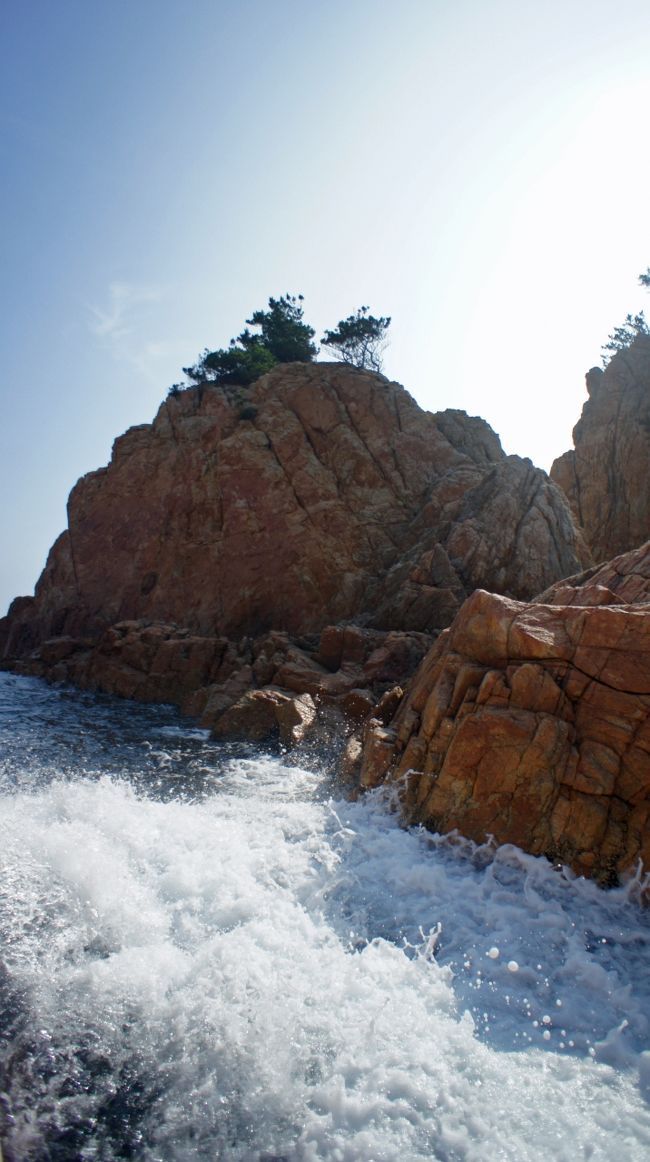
(531, 723)
(606, 475)
(308, 535)
(340, 498)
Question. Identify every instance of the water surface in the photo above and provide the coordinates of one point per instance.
(206, 952)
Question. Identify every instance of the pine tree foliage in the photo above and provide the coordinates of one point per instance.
(359, 340)
(284, 338)
(634, 325)
(284, 332)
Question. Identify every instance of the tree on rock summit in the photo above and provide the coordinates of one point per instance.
(634, 325)
(284, 333)
(359, 340)
(284, 338)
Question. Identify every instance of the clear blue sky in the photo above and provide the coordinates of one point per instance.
(478, 170)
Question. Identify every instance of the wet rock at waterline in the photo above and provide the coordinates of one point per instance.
(225, 685)
(531, 723)
(261, 714)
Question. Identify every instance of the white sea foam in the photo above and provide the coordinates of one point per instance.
(267, 974)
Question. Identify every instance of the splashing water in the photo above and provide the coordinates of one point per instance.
(206, 956)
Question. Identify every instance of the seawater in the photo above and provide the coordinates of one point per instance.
(208, 953)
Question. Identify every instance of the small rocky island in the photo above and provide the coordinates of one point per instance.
(317, 543)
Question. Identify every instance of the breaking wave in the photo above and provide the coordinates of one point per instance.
(208, 953)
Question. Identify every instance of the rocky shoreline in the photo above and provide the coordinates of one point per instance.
(530, 722)
(327, 543)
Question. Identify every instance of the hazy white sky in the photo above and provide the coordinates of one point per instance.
(478, 169)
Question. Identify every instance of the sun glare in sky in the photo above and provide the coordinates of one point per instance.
(478, 171)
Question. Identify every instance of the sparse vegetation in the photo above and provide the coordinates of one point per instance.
(359, 340)
(240, 363)
(634, 325)
(284, 338)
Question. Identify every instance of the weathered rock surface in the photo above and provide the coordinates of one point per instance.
(330, 497)
(347, 667)
(625, 580)
(531, 723)
(606, 476)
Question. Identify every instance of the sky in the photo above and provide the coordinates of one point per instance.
(476, 169)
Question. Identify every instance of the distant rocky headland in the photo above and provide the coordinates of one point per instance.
(318, 541)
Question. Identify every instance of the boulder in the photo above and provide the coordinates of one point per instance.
(263, 715)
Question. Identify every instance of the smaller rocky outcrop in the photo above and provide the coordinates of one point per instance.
(530, 722)
(606, 476)
(256, 688)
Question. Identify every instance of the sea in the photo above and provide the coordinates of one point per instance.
(210, 952)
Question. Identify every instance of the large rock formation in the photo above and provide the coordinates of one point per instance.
(322, 494)
(606, 476)
(530, 722)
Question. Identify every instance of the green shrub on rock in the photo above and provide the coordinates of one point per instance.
(284, 338)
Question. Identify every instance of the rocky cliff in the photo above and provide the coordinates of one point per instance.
(606, 475)
(530, 722)
(221, 541)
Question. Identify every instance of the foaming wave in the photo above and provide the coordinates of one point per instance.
(271, 975)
